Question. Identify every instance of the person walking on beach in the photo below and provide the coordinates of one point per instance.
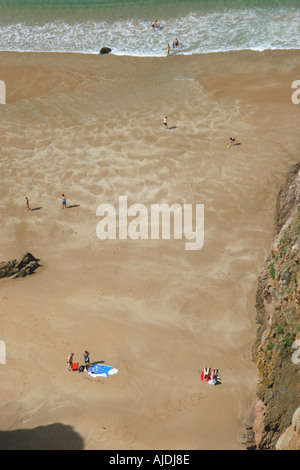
(168, 49)
(63, 201)
(165, 122)
(27, 207)
(70, 362)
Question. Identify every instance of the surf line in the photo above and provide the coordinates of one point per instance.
(153, 224)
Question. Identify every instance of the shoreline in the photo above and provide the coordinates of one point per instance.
(152, 57)
(92, 129)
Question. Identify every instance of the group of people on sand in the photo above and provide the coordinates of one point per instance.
(210, 375)
(63, 202)
(86, 358)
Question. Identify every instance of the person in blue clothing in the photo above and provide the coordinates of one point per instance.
(86, 357)
(215, 379)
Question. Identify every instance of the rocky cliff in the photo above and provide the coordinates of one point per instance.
(274, 422)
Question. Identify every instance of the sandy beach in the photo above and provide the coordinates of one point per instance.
(91, 127)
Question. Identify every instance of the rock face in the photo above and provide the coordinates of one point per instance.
(105, 50)
(274, 422)
(19, 268)
(290, 439)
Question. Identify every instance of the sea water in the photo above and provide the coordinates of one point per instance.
(201, 26)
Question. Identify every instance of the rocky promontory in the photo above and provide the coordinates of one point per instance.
(274, 423)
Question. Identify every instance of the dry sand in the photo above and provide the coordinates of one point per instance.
(91, 127)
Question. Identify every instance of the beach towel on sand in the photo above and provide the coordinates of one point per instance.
(101, 370)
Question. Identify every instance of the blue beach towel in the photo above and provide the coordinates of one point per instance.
(101, 370)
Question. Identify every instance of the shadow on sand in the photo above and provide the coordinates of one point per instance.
(55, 436)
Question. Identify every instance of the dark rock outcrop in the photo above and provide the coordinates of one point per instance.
(19, 268)
(105, 50)
(274, 422)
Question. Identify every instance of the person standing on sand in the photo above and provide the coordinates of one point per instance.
(70, 362)
(86, 357)
(27, 208)
(63, 201)
(165, 122)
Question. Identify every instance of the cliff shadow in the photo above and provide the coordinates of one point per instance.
(56, 436)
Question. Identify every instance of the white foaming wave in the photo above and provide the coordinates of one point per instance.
(245, 29)
(197, 33)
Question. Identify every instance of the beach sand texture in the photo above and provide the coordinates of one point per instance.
(92, 127)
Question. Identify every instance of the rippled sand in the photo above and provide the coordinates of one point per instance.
(91, 127)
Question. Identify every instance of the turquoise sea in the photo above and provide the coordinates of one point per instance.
(125, 25)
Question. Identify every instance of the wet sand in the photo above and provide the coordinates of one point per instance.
(92, 127)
